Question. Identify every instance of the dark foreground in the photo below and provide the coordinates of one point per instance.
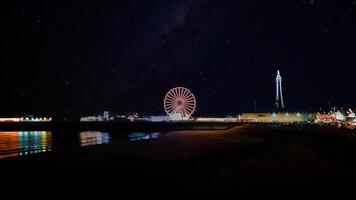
(239, 162)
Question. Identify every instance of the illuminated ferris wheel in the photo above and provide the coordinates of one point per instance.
(179, 103)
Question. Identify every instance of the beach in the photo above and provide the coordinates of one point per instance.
(243, 160)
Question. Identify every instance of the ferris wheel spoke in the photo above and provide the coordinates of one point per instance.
(181, 96)
(176, 110)
(183, 113)
(169, 105)
(173, 109)
(190, 106)
(190, 97)
(190, 100)
(182, 91)
(168, 101)
(189, 109)
(186, 93)
(186, 113)
(176, 93)
(172, 95)
(189, 114)
(169, 110)
(179, 91)
(169, 97)
(182, 110)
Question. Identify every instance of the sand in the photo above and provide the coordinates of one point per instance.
(236, 162)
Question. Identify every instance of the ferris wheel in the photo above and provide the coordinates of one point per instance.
(179, 103)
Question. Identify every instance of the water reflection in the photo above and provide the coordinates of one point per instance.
(93, 138)
(20, 143)
(135, 136)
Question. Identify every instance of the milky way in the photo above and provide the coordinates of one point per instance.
(82, 57)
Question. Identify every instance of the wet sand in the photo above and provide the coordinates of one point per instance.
(240, 161)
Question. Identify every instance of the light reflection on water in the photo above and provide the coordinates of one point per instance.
(88, 138)
(135, 136)
(20, 143)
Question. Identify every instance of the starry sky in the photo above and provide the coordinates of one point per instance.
(72, 58)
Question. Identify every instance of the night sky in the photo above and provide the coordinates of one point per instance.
(72, 58)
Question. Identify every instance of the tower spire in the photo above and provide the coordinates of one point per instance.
(279, 103)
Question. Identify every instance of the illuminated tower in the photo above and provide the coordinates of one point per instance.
(106, 116)
(279, 96)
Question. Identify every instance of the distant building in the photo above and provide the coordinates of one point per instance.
(217, 119)
(340, 116)
(153, 118)
(91, 119)
(132, 116)
(26, 119)
(336, 116)
(10, 119)
(158, 118)
(351, 114)
(276, 117)
(325, 118)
